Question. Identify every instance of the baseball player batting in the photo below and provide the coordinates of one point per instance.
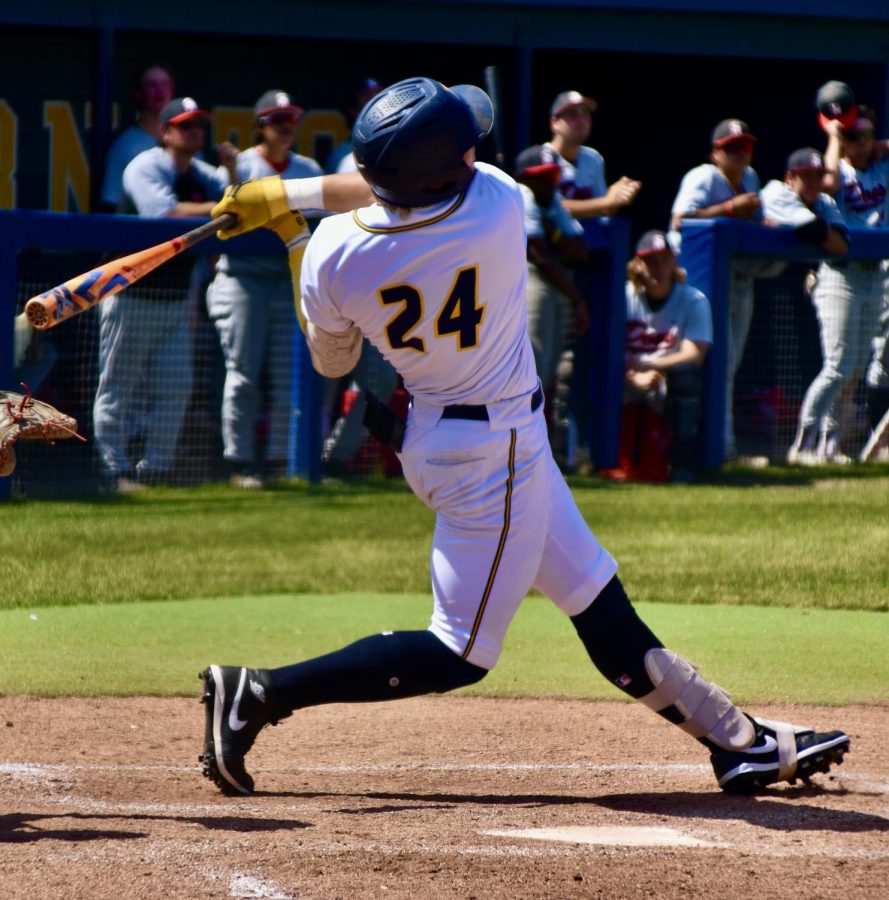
(434, 275)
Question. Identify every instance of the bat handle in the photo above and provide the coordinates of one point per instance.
(208, 229)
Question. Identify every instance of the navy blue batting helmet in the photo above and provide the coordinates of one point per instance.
(410, 139)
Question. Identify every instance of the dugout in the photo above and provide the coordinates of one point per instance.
(663, 73)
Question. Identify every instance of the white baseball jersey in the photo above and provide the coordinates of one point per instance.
(658, 332)
(862, 195)
(453, 325)
(705, 185)
(582, 179)
(785, 207)
(441, 294)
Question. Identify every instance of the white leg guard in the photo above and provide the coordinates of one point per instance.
(785, 735)
(708, 710)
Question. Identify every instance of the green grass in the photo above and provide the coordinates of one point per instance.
(302, 570)
(158, 648)
(778, 538)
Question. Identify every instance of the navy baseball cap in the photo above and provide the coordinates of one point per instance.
(183, 109)
(730, 130)
(536, 161)
(567, 99)
(272, 102)
(652, 243)
(806, 159)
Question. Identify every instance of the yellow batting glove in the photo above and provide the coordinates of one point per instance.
(292, 228)
(294, 231)
(255, 203)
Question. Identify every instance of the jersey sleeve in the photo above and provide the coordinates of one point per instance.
(700, 319)
(694, 192)
(784, 206)
(317, 303)
(533, 217)
(149, 187)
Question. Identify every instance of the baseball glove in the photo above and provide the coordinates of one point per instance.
(24, 418)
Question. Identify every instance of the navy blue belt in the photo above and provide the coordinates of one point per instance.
(480, 413)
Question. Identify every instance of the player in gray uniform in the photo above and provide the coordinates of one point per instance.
(669, 332)
(251, 303)
(799, 201)
(848, 294)
(144, 344)
(434, 274)
(725, 186)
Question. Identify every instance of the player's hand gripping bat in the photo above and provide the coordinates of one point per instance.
(83, 292)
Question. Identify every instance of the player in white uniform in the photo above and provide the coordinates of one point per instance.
(725, 186)
(434, 275)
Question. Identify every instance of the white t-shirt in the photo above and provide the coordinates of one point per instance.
(653, 333)
(440, 293)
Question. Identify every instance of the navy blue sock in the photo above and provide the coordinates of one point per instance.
(380, 667)
(617, 640)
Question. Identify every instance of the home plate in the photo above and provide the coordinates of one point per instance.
(616, 836)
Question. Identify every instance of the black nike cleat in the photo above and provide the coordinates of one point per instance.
(238, 705)
(780, 752)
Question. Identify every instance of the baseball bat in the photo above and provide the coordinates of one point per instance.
(83, 292)
(492, 86)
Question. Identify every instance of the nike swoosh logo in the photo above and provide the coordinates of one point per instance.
(770, 745)
(234, 721)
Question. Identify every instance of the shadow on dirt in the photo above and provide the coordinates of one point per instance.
(23, 828)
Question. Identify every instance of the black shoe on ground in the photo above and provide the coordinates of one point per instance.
(238, 705)
(780, 752)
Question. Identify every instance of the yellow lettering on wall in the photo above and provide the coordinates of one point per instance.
(69, 175)
(318, 123)
(9, 126)
(233, 123)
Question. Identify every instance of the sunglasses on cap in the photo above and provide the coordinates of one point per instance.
(279, 117)
(189, 124)
(742, 145)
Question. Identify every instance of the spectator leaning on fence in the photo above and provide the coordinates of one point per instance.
(848, 293)
(725, 186)
(144, 332)
(799, 201)
(669, 331)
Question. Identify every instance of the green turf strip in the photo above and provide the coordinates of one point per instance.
(758, 654)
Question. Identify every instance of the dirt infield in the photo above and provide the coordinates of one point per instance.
(453, 796)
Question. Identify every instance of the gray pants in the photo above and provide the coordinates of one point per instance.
(740, 316)
(548, 312)
(254, 317)
(144, 353)
(878, 370)
(847, 301)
